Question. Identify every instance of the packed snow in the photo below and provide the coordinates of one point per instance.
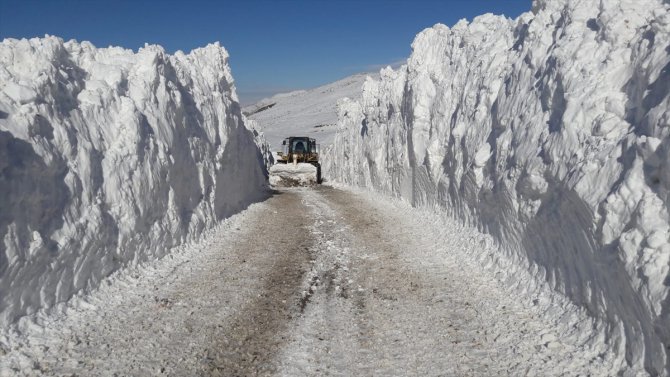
(109, 158)
(549, 132)
(300, 174)
(310, 112)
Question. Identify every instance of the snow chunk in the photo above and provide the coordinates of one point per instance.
(19, 93)
(301, 174)
(482, 155)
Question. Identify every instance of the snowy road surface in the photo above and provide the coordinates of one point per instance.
(313, 282)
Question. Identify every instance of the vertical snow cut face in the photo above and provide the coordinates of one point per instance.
(109, 158)
(550, 132)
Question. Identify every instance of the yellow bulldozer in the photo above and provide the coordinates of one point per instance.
(297, 151)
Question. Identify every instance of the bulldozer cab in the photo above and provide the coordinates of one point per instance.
(301, 148)
(298, 149)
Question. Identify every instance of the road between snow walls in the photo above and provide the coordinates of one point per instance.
(312, 282)
(549, 132)
(108, 159)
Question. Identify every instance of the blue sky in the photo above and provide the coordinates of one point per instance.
(275, 46)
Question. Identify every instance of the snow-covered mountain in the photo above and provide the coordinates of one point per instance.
(109, 158)
(551, 132)
(310, 112)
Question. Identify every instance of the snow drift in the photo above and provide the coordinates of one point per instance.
(109, 158)
(551, 133)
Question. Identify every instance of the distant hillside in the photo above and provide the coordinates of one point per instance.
(305, 112)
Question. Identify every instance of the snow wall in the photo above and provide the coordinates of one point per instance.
(109, 158)
(550, 132)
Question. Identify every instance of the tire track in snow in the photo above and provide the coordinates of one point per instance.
(218, 308)
(325, 336)
(278, 245)
(417, 303)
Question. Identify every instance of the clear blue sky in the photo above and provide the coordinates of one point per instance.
(275, 46)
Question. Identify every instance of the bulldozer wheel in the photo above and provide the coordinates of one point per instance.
(318, 172)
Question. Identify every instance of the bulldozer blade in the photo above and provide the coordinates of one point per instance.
(291, 175)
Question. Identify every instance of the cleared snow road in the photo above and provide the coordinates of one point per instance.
(310, 282)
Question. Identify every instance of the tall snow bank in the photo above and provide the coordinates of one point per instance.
(551, 132)
(109, 158)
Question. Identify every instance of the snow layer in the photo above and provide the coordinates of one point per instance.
(549, 132)
(301, 174)
(310, 113)
(109, 158)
